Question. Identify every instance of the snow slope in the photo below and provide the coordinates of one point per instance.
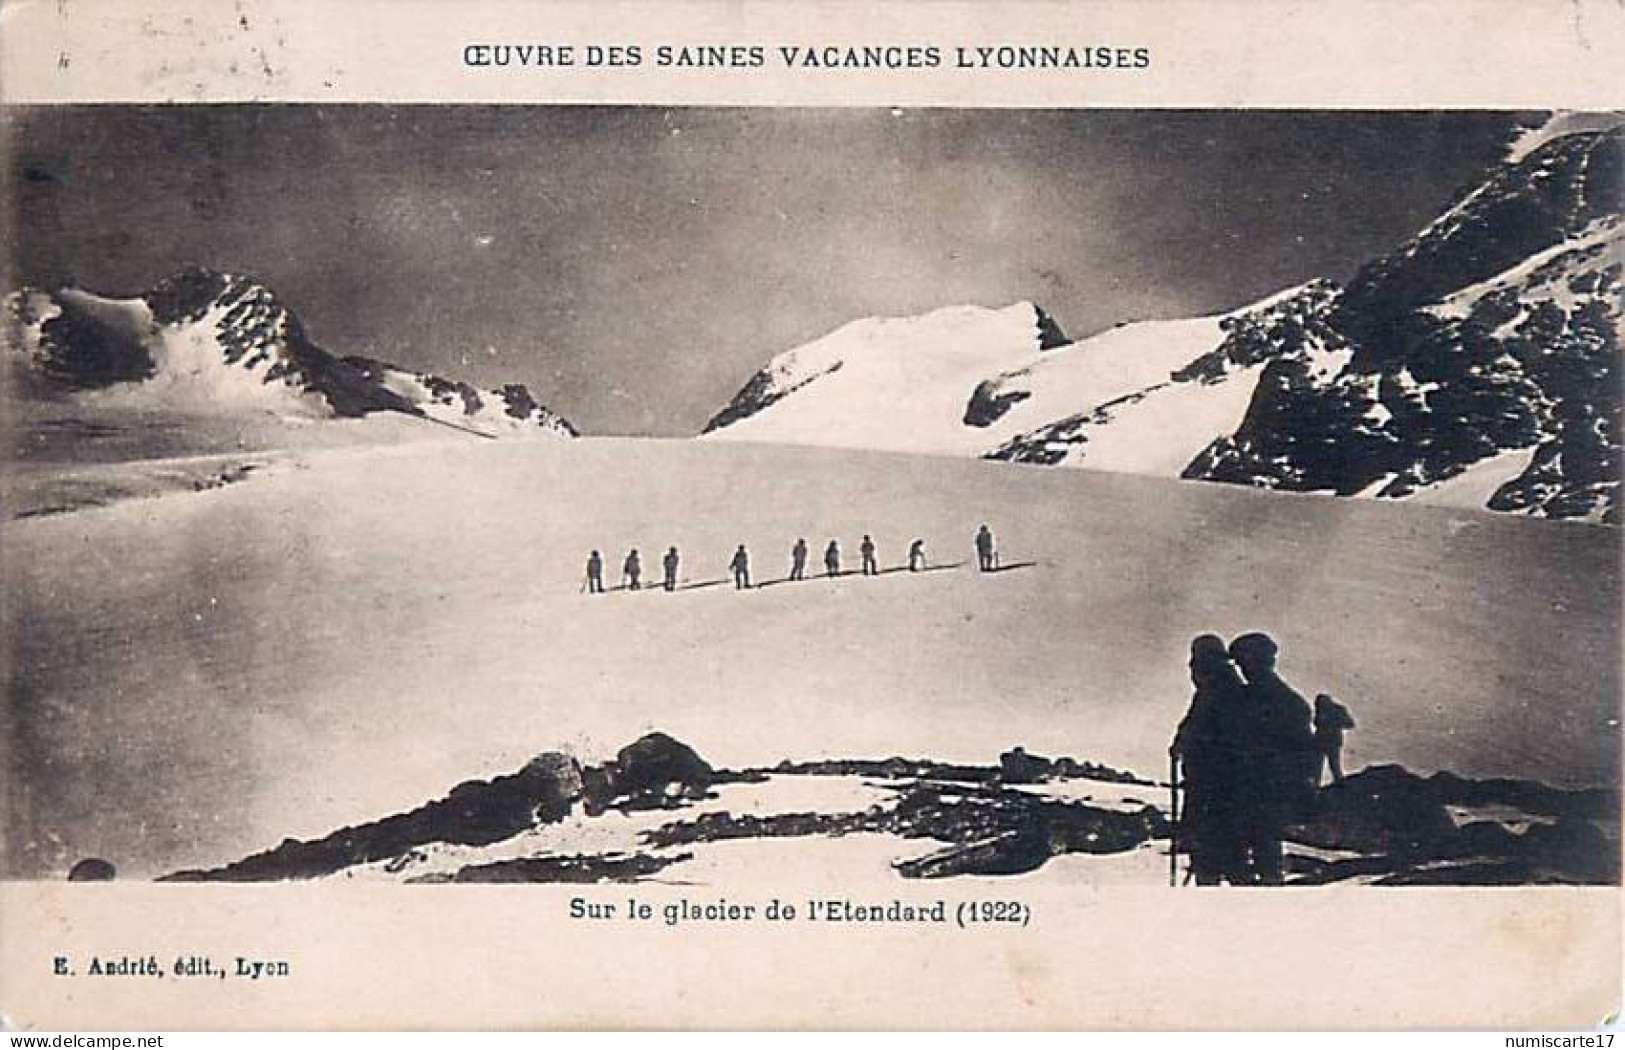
(345, 633)
(890, 383)
(962, 381)
(1122, 371)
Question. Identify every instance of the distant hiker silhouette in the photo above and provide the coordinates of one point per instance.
(669, 563)
(741, 569)
(916, 556)
(798, 560)
(1279, 757)
(1207, 747)
(867, 550)
(1331, 719)
(595, 573)
(832, 559)
(632, 570)
(987, 556)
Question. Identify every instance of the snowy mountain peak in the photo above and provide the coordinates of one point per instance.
(212, 342)
(190, 295)
(879, 365)
(224, 341)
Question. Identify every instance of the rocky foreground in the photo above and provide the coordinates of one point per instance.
(659, 802)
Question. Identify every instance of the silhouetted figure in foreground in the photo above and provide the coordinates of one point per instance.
(632, 570)
(798, 560)
(669, 564)
(595, 573)
(1331, 720)
(741, 569)
(832, 560)
(987, 556)
(916, 556)
(1207, 747)
(1279, 757)
(867, 550)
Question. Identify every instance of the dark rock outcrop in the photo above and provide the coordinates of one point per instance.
(475, 813)
(1528, 795)
(658, 764)
(651, 771)
(1050, 336)
(897, 767)
(990, 401)
(611, 867)
(761, 391)
(1016, 766)
(92, 869)
(992, 829)
(1403, 824)
(1384, 809)
(1001, 831)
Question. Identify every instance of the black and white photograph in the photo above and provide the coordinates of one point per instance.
(1203, 501)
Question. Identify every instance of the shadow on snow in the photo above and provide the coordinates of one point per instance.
(698, 585)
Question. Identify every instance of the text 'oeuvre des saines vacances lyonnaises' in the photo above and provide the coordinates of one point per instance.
(553, 56)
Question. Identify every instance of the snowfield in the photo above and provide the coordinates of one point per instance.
(347, 632)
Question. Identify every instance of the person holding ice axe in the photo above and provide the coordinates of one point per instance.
(987, 555)
(1208, 750)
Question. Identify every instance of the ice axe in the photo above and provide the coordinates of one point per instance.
(1173, 820)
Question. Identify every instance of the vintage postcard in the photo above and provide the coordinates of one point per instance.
(923, 515)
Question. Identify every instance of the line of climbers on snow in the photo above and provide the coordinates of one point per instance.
(1252, 754)
(987, 560)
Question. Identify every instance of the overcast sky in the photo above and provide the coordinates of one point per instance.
(634, 266)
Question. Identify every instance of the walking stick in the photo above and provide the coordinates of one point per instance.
(1173, 818)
